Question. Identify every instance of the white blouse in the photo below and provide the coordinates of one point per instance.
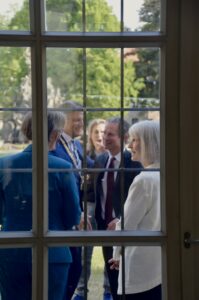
(141, 212)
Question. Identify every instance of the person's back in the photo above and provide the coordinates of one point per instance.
(16, 215)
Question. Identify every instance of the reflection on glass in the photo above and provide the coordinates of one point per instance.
(63, 16)
(64, 75)
(140, 15)
(103, 78)
(141, 77)
(142, 271)
(15, 74)
(103, 16)
(16, 273)
(14, 15)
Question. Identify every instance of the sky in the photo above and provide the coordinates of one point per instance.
(131, 8)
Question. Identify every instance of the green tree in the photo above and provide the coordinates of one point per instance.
(150, 15)
(66, 66)
(149, 58)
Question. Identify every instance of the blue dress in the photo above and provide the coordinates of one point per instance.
(16, 215)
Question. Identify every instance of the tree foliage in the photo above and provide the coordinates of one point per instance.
(66, 67)
(148, 64)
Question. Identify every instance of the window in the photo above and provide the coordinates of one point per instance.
(91, 52)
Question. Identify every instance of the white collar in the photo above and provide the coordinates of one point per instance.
(117, 156)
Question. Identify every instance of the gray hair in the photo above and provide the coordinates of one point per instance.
(56, 121)
(70, 106)
(149, 134)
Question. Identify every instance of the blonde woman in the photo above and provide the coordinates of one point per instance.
(95, 147)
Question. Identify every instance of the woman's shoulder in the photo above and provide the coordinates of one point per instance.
(147, 177)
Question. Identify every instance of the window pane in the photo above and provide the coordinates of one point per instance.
(14, 15)
(16, 273)
(103, 77)
(15, 77)
(12, 140)
(142, 270)
(142, 77)
(95, 273)
(59, 261)
(65, 16)
(64, 202)
(15, 173)
(140, 15)
(16, 193)
(64, 75)
(103, 16)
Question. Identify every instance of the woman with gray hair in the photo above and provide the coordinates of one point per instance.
(142, 212)
(16, 215)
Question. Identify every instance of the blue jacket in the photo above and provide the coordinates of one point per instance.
(61, 152)
(16, 201)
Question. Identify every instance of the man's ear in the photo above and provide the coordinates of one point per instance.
(126, 138)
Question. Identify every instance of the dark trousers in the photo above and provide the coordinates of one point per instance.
(16, 280)
(153, 294)
(112, 274)
(74, 272)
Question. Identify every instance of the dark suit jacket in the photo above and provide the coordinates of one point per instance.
(121, 185)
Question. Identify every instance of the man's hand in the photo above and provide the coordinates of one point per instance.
(112, 224)
(82, 221)
(114, 264)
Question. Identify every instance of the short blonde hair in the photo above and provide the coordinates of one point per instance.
(149, 134)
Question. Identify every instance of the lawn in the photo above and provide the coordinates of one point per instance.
(95, 284)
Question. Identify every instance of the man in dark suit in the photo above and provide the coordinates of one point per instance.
(117, 192)
(70, 149)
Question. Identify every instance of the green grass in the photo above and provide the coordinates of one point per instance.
(95, 284)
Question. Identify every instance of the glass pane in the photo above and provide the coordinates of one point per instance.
(59, 262)
(141, 15)
(95, 274)
(103, 16)
(12, 139)
(15, 77)
(16, 192)
(64, 201)
(64, 75)
(16, 273)
(14, 15)
(15, 172)
(103, 78)
(142, 77)
(142, 271)
(65, 16)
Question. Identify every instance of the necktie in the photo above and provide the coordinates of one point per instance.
(110, 185)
